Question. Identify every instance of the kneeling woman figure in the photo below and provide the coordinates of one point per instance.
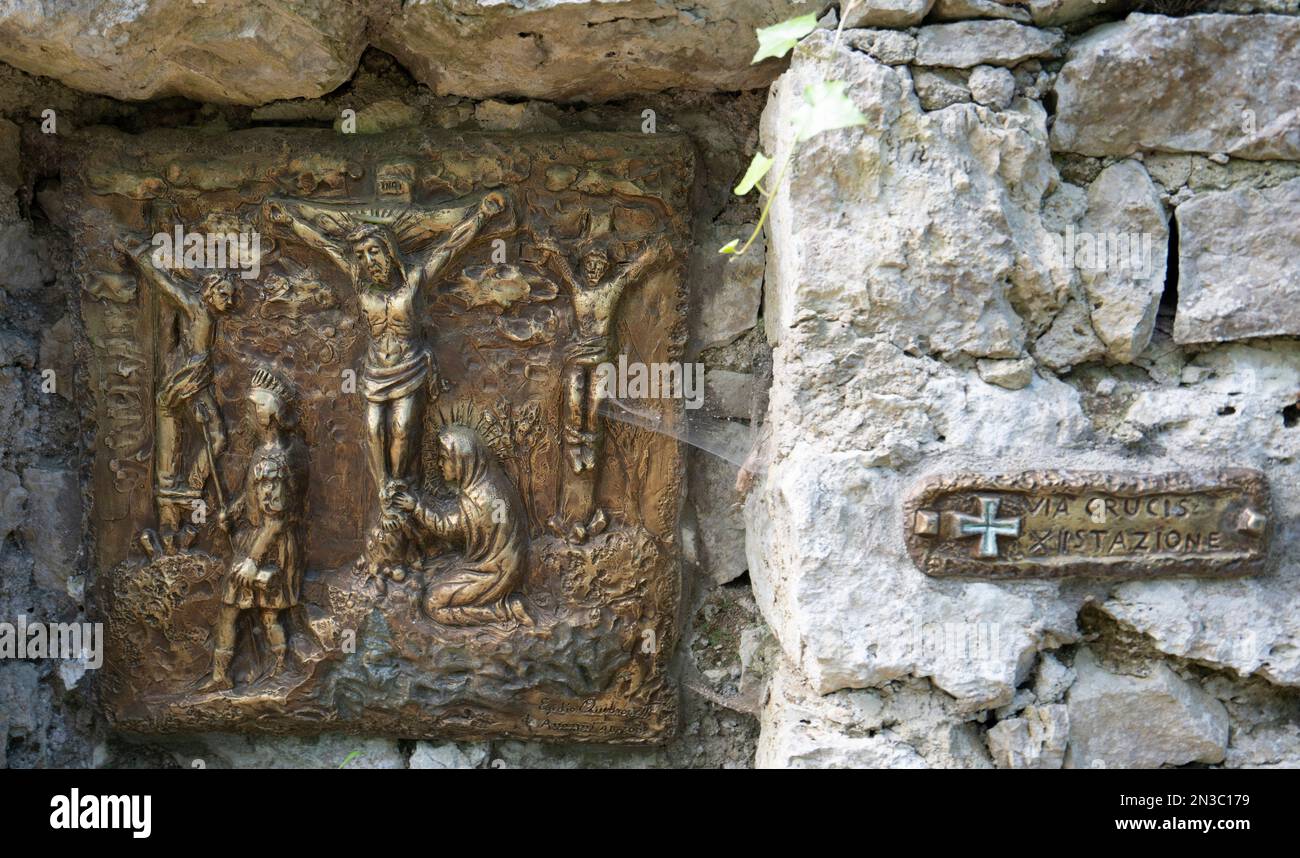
(485, 518)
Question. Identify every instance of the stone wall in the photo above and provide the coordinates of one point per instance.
(922, 324)
(906, 318)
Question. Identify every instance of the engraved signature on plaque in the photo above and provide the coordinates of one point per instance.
(365, 482)
(1049, 524)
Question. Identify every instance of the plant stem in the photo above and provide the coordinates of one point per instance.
(839, 28)
(767, 206)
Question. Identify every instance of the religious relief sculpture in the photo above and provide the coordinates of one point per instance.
(438, 523)
(184, 397)
(596, 298)
(399, 372)
(270, 556)
(485, 519)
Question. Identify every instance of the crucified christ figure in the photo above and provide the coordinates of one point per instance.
(390, 286)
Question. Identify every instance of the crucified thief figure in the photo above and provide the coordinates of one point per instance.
(390, 286)
(185, 393)
(595, 306)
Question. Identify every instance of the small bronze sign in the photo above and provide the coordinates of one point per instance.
(1050, 524)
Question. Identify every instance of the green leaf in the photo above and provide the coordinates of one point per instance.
(757, 169)
(825, 108)
(730, 247)
(778, 39)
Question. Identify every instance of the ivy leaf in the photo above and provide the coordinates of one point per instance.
(825, 108)
(778, 39)
(730, 247)
(757, 170)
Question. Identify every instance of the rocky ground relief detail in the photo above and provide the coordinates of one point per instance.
(358, 476)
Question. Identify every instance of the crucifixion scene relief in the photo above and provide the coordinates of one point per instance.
(362, 478)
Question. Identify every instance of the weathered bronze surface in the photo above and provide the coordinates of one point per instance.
(1052, 524)
(362, 480)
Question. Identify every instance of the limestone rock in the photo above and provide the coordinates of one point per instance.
(1239, 265)
(939, 88)
(1229, 408)
(330, 751)
(1264, 729)
(449, 755)
(1204, 83)
(730, 287)
(21, 716)
(1011, 374)
(23, 271)
(1054, 13)
(760, 656)
(718, 514)
(1169, 171)
(890, 47)
(972, 43)
(1052, 679)
(910, 726)
(57, 354)
(887, 13)
(960, 10)
(565, 51)
(1022, 698)
(493, 115)
(1208, 175)
(18, 418)
(13, 503)
(1124, 280)
(729, 395)
(824, 532)
(992, 87)
(1064, 207)
(384, 115)
(1246, 7)
(1070, 340)
(1274, 746)
(1133, 722)
(10, 173)
(862, 402)
(240, 53)
(17, 350)
(285, 112)
(52, 529)
(955, 262)
(1035, 740)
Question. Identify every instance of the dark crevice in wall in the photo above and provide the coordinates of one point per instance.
(290, 123)
(1171, 8)
(1169, 298)
(740, 583)
(1049, 105)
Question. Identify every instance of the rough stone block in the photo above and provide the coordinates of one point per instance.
(1239, 264)
(1204, 83)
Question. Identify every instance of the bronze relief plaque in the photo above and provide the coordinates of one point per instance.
(354, 466)
(1052, 524)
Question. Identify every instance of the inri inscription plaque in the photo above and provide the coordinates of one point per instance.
(353, 469)
(1050, 524)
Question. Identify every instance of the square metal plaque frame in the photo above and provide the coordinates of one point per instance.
(360, 474)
